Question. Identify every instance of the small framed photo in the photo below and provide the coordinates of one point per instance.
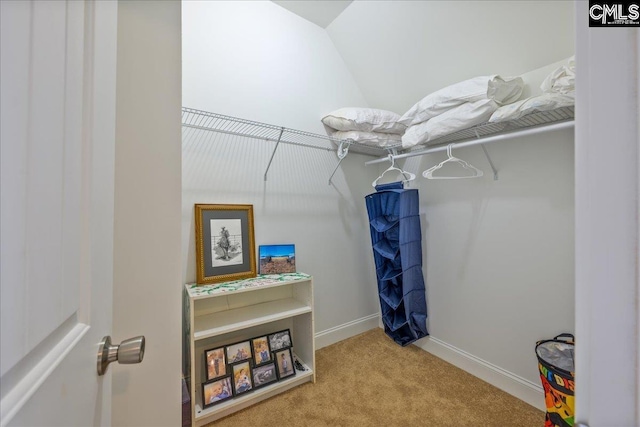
(242, 382)
(284, 362)
(238, 352)
(280, 340)
(216, 363)
(261, 350)
(264, 375)
(216, 391)
(225, 248)
(275, 259)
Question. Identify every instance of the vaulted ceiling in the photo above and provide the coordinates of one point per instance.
(399, 51)
(320, 12)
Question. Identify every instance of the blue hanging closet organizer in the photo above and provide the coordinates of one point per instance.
(397, 251)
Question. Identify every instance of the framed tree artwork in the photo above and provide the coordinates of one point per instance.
(225, 248)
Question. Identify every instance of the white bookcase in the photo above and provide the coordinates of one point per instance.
(226, 313)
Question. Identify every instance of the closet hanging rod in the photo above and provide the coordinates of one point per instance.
(501, 137)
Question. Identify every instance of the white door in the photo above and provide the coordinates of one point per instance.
(58, 68)
(607, 224)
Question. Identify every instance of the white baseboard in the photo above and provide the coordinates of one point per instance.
(346, 330)
(515, 385)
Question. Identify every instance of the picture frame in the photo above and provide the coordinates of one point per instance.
(261, 350)
(238, 352)
(280, 340)
(242, 378)
(284, 363)
(217, 391)
(215, 361)
(276, 259)
(264, 375)
(225, 247)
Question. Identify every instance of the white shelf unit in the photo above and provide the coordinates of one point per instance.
(226, 313)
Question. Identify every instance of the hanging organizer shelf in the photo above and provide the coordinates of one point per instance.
(543, 121)
(214, 122)
(394, 222)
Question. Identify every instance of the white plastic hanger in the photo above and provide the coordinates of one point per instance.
(477, 173)
(407, 175)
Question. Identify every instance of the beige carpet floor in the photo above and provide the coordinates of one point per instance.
(368, 380)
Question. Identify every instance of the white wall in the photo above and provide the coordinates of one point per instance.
(499, 255)
(146, 282)
(257, 61)
(400, 51)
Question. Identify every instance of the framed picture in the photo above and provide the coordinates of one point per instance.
(280, 340)
(242, 382)
(261, 350)
(215, 363)
(216, 391)
(225, 248)
(284, 362)
(264, 375)
(238, 352)
(276, 259)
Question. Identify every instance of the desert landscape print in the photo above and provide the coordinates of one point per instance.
(276, 259)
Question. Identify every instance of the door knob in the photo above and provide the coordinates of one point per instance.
(128, 352)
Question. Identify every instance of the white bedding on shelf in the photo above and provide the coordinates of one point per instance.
(502, 90)
(476, 101)
(462, 117)
(376, 139)
(544, 102)
(362, 120)
(562, 79)
(558, 90)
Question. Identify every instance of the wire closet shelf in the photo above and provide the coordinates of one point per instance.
(530, 120)
(559, 118)
(490, 132)
(204, 120)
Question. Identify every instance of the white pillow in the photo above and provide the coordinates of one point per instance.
(461, 117)
(544, 102)
(496, 88)
(562, 79)
(363, 119)
(370, 138)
